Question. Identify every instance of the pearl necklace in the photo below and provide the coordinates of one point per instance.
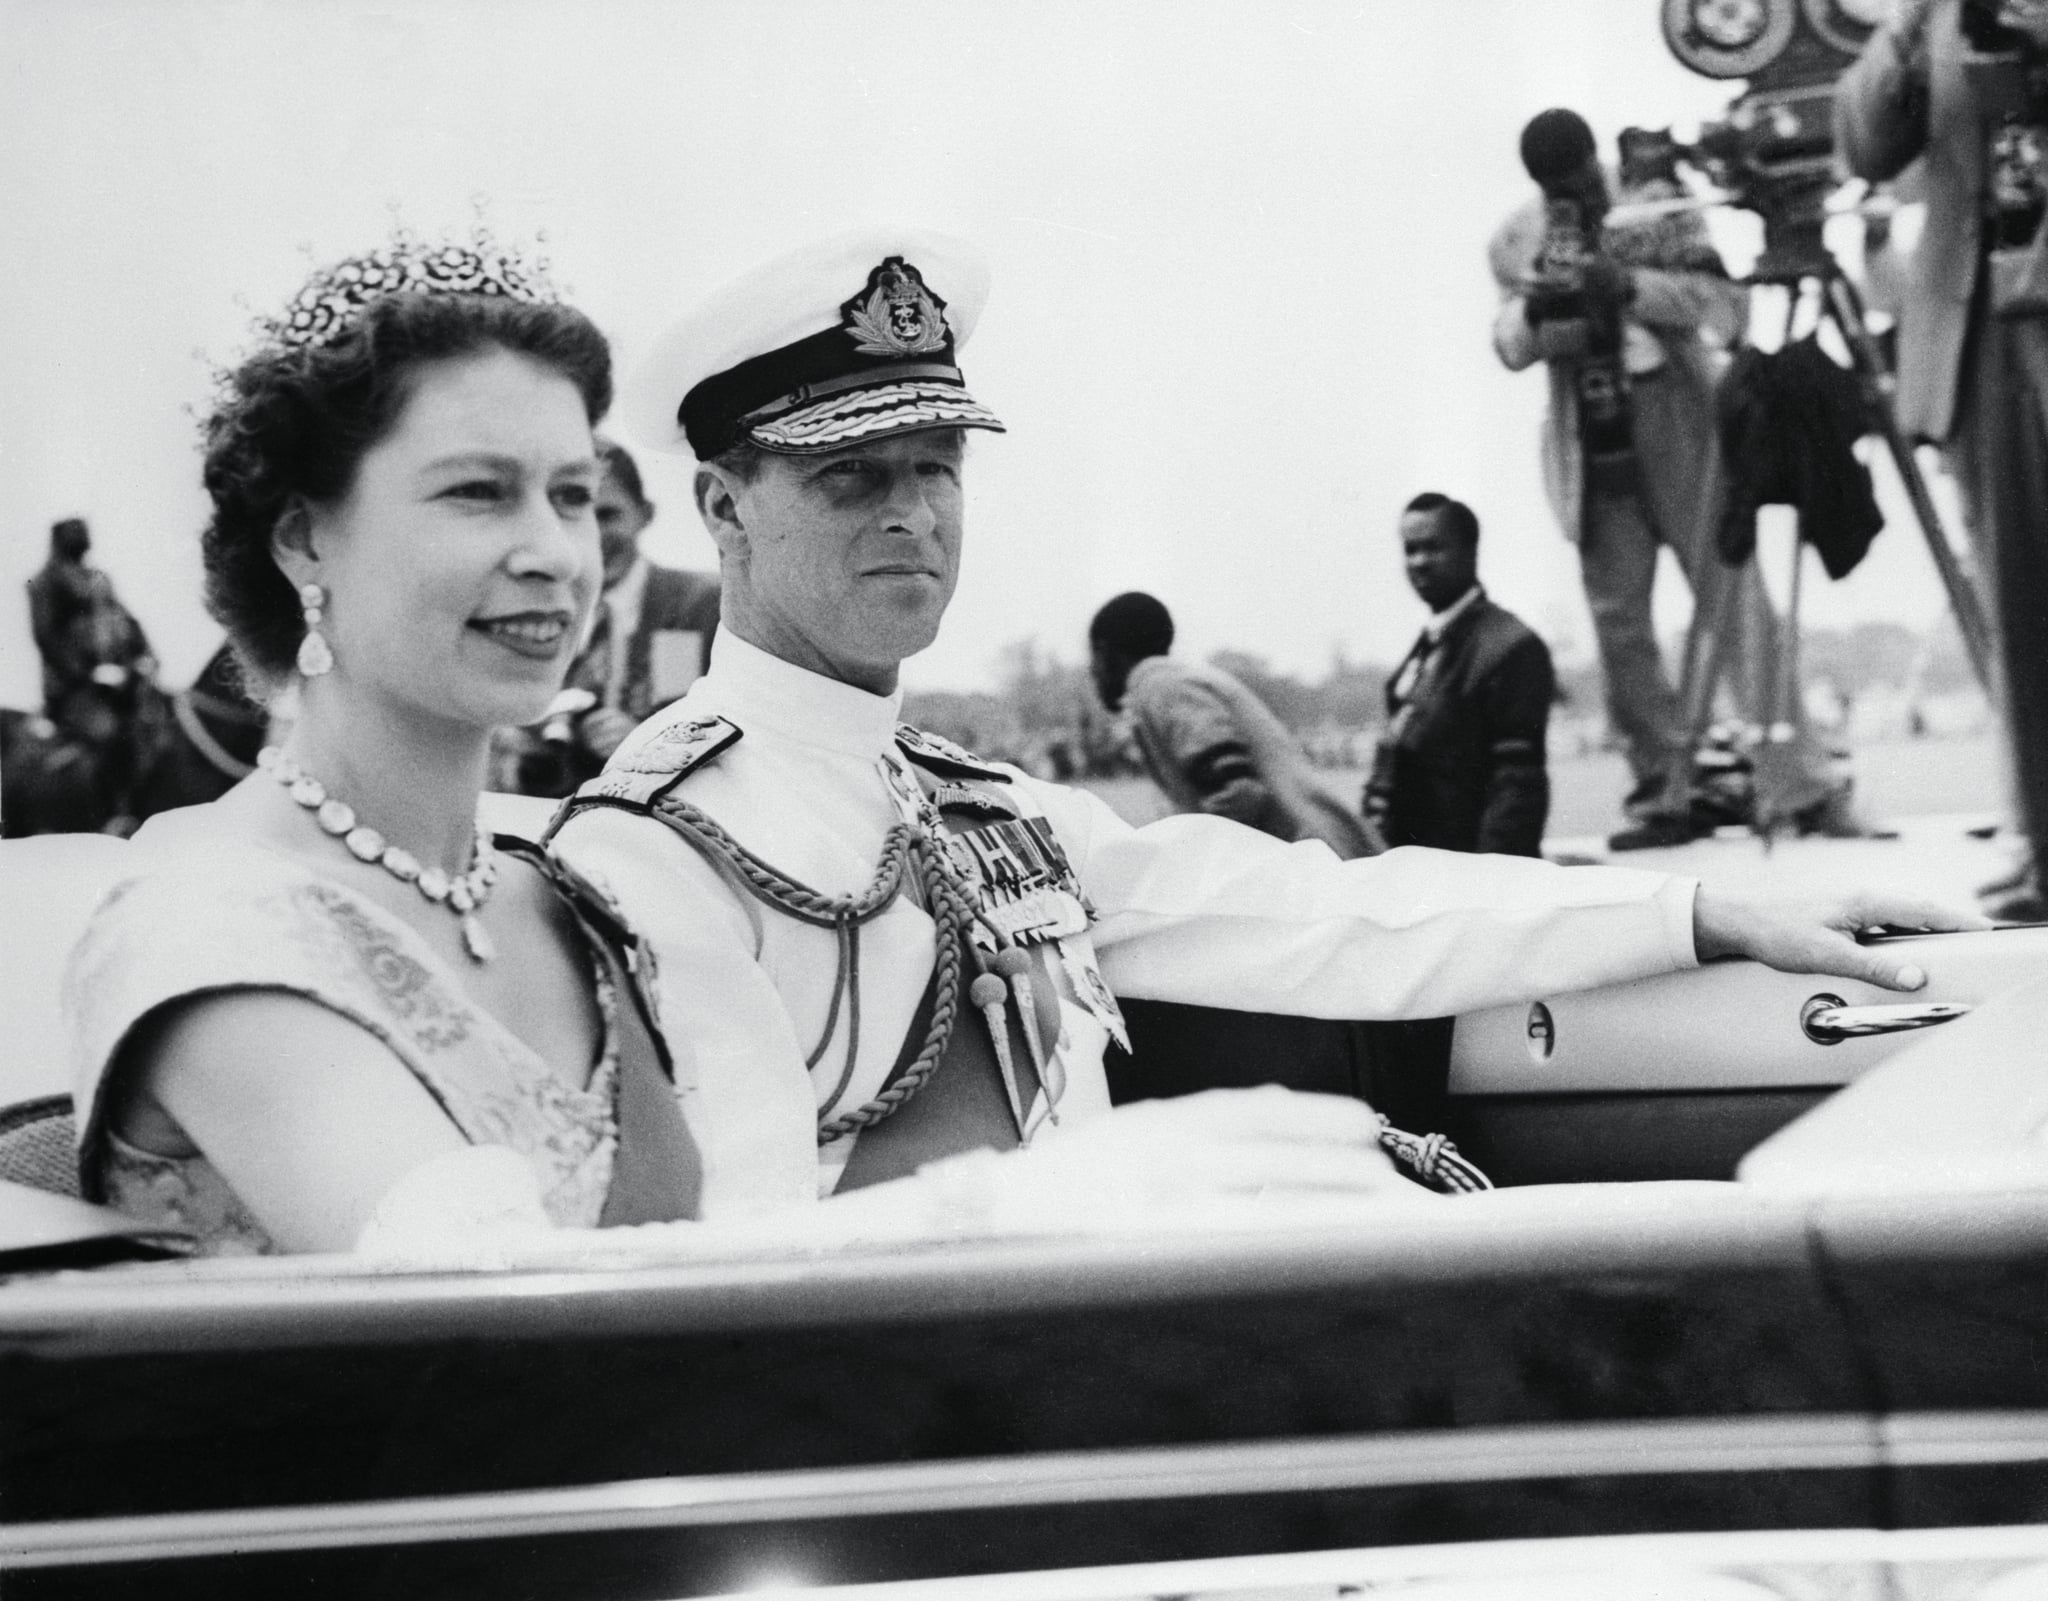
(464, 896)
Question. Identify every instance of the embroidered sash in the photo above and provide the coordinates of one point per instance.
(657, 1170)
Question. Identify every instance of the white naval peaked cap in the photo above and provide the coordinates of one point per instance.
(849, 339)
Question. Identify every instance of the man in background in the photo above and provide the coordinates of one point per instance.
(649, 642)
(1209, 742)
(1626, 320)
(652, 637)
(1952, 90)
(95, 654)
(1461, 766)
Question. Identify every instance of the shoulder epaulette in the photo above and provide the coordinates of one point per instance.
(937, 754)
(665, 760)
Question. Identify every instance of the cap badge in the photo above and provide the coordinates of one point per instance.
(895, 315)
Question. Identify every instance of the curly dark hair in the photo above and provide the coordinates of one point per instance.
(294, 422)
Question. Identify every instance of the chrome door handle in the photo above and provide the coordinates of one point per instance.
(1828, 1020)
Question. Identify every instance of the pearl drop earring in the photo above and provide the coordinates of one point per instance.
(315, 657)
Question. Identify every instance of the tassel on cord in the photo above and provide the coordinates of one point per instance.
(989, 994)
(1012, 963)
(1433, 1159)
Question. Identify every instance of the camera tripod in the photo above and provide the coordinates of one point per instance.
(1796, 259)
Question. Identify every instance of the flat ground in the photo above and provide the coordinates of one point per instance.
(1934, 791)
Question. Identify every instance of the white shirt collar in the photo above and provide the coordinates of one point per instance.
(623, 600)
(760, 691)
(625, 596)
(1442, 620)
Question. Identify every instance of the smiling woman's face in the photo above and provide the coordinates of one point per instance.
(851, 557)
(462, 564)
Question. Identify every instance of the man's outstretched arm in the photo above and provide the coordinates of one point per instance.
(1191, 910)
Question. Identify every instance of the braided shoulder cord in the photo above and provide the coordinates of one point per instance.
(950, 915)
(787, 894)
(903, 848)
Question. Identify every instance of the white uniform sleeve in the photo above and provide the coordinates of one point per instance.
(739, 1069)
(1201, 910)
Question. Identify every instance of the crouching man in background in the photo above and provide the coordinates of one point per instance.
(1209, 743)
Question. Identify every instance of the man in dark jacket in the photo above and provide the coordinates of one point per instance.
(652, 636)
(1461, 766)
(650, 640)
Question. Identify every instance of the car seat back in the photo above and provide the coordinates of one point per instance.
(50, 885)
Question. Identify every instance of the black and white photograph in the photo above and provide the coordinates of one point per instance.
(1024, 800)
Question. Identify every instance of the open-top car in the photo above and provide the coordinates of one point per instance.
(1826, 1378)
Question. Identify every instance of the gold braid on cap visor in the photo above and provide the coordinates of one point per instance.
(861, 413)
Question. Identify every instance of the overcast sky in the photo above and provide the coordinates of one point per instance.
(1240, 310)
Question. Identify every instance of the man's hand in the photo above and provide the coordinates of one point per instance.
(1819, 936)
(2029, 17)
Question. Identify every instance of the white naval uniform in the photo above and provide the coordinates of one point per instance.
(1191, 908)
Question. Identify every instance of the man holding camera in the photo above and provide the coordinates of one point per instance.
(1626, 318)
(1961, 87)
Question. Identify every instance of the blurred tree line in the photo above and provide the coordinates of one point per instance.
(1045, 716)
(1043, 713)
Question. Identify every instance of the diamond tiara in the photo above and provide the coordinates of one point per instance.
(334, 297)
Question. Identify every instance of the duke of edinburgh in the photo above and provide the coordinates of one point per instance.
(876, 950)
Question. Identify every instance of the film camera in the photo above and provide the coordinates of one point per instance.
(1774, 151)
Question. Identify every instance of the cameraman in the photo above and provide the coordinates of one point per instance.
(1631, 459)
(1958, 85)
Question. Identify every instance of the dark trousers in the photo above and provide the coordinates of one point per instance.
(1999, 453)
